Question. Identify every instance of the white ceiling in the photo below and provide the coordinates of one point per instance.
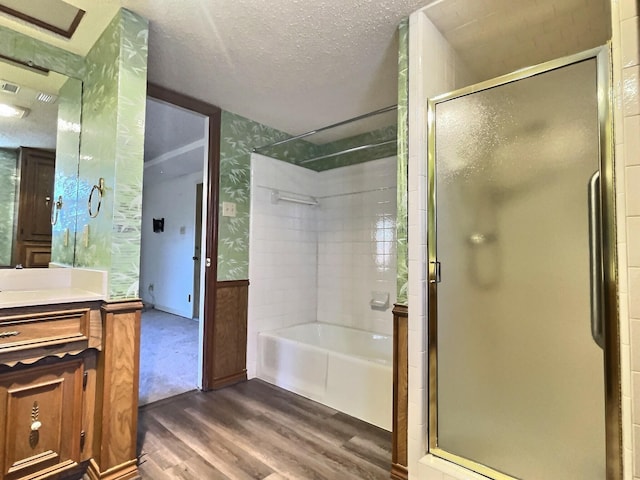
(298, 65)
(39, 128)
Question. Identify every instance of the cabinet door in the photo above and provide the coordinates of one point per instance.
(36, 186)
(40, 419)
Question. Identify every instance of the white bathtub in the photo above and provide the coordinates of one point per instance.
(344, 368)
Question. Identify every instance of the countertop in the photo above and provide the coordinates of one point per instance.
(22, 298)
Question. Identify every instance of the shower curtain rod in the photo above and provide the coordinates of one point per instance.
(348, 150)
(344, 122)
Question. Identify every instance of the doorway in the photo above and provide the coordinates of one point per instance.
(182, 218)
(522, 301)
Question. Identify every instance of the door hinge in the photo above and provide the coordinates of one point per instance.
(83, 437)
(437, 276)
(85, 378)
(207, 262)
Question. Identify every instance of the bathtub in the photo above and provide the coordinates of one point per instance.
(344, 368)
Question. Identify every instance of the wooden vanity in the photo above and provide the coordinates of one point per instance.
(47, 387)
(68, 387)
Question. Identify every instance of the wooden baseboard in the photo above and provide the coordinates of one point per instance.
(126, 471)
(399, 472)
(229, 380)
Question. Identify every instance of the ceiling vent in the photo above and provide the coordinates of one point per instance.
(9, 87)
(46, 97)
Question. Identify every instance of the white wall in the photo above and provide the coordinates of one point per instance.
(429, 77)
(167, 257)
(321, 263)
(432, 71)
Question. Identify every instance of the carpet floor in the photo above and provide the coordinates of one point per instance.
(168, 355)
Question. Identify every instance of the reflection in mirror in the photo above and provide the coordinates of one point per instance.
(39, 152)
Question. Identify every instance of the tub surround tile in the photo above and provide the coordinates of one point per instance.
(321, 263)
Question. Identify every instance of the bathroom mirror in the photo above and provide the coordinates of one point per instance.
(40, 114)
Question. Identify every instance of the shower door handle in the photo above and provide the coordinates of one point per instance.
(595, 261)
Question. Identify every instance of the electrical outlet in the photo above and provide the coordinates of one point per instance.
(228, 209)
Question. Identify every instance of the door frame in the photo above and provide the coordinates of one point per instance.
(613, 416)
(211, 184)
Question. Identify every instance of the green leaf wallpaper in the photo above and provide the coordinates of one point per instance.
(113, 118)
(8, 182)
(24, 48)
(403, 158)
(239, 136)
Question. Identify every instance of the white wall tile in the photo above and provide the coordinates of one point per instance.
(628, 9)
(633, 241)
(633, 190)
(629, 38)
(635, 345)
(631, 95)
(634, 299)
(632, 140)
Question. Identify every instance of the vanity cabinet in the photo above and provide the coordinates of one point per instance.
(48, 358)
(41, 419)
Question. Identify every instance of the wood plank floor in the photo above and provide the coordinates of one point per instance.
(255, 430)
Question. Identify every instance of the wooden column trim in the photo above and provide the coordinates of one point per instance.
(399, 462)
(116, 415)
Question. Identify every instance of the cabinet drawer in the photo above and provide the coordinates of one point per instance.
(43, 329)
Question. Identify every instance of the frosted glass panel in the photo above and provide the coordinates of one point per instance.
(520, 380)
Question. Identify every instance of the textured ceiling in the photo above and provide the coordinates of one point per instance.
(291, 64)
(500, 36)
(298, 65)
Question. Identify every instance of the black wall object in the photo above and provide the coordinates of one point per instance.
(158, 225)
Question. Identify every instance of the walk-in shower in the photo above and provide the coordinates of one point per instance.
(523, 352)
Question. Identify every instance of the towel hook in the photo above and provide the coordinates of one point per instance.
(100, 189)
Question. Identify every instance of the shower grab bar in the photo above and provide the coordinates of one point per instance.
(595, 261)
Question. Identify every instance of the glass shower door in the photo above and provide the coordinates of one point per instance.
(520, 379)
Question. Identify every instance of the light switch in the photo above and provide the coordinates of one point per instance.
(228, 209)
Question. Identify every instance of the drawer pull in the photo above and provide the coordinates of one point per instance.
(35, 426)
(9, 334)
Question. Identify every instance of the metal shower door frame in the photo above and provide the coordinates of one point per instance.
(609, 306)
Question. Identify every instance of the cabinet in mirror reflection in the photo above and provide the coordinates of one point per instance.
(40, 113)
